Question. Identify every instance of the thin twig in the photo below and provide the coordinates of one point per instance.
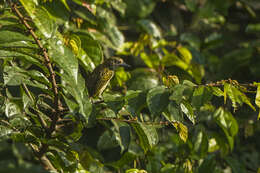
(166, 123)
(9, 125)
(42, 121)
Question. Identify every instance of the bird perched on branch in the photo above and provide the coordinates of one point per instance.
(102, 74)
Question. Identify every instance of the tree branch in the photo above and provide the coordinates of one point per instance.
(57, 102)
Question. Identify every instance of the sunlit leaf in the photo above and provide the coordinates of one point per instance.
(188, 110)
(227, 123)
(236, 96)
(182, 130)
(147, 134)
(10, 36)
(257, 99)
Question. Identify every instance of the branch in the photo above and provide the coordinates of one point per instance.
(45, 55)
(42, 121)
(45, 162)
(57, 103)
(165, 123)
(40, 153)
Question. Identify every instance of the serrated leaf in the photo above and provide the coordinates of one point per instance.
(147, 135)
(182, 130)
(236, 96)
(217, 91)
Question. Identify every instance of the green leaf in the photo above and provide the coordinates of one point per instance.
(192, 39)
(116, 36)
(157, 100)
(41, 18)
(76, 96)
(209, 163)
(58, 53)
(140, 9)
(235, 165)
(150, 27)
(185, 54)
(107, 141)
(12, 109)
(236, 96)
(188, 110)
(151, 60)
(135, 101)
(182, 130)
(201, 96)
(91, 46)
(177, 93)
(10, 36)
(123, 134)
(125, 159)
(217, 91)
(253, 28)
(228, 124)
(175, 113)
(114, 101)
(257, 99)
(241, 57)
(24, 138)
(200, 141)
(119, 6)
(142, 79)
(5, 131)
(147, 134)
(222, 143)
(16, 76)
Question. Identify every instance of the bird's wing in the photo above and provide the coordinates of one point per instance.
(105, 76)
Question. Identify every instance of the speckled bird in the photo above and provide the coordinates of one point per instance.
(102, 74)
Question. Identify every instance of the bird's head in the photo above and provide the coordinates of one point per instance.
(114, 62)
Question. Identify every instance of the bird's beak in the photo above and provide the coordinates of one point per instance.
(124, 65)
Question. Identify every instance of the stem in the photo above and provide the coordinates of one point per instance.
(57, 103)
(40, 153)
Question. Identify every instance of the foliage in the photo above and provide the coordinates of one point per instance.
(172, 111)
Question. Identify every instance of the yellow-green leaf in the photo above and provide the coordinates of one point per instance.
(257, 99)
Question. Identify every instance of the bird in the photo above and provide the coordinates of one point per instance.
(98, 80)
